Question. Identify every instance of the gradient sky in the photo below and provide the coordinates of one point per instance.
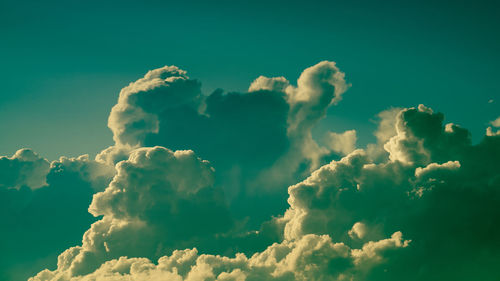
(63, 63)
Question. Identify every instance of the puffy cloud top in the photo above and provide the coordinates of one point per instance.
(419, 204)
(157, 201)
(134, 115)
(24, 168)
(259, 142)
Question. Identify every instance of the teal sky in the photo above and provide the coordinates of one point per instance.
(63, 63)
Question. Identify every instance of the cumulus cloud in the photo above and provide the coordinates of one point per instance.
(24, 168)
(343, 143)
(437, 188)
(422, 138)
(262, 83)
(158, 200)
(346, 221)
(134, 115)
(386, 129)
(419, 204)
(259, 142)
(273, 119)
(43, 207)
(247, 136)
(313, 257)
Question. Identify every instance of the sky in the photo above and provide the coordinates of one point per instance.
(64, 62)
(256, 140)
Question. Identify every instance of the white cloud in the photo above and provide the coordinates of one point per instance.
(134, 115)
(158, 200)
(358, 231)
(345, 221)
(312, 258)
(496, 122)
(279, 84)
(24, 168)
(343, 143)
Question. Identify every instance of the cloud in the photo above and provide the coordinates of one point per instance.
(134, 116)
(24, 168)
(158, 200)
(44, 210)
(419, 204)
(343, 143)
(259, 142)
(312, 257)
(167, 108)
(262, 83)
(435, 189)
(422, 138)
(247, 136)
(386, 129)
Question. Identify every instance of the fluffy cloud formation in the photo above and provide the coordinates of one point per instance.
(136, 113)
(312, 257)
(159, 200)
(419, 204)
(259, 142)
(343, 143)
(24, 169)
(435, 188)
(43, 207)
(220, 126)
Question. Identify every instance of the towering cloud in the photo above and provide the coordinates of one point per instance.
(437, 188)
(419, 204)
(345, 222)
(139, 104)
(159, 200)
(259, 142)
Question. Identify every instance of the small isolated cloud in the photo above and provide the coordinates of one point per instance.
(158, 200)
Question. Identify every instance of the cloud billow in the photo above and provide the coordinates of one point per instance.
(259, 142)
(233, 186)
(44, 210)
(428, 211)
